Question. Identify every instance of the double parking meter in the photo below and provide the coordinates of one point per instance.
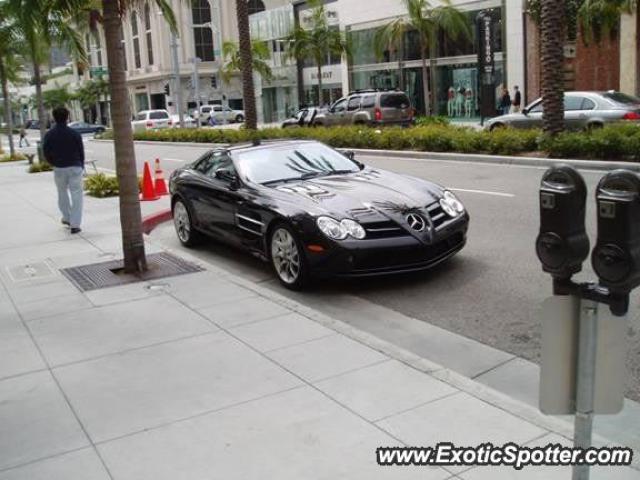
(562, 244)
(616, 256)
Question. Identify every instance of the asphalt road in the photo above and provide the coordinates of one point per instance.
(490, 292)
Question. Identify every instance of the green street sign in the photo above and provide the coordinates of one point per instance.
(97, 71)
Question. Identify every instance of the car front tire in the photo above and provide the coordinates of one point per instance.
(239, 119)
(287, 257)
(182, 221)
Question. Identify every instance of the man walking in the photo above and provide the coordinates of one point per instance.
(23, 137)
(64, 150)
(517, 99)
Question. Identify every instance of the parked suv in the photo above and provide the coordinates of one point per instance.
(220, 114)
(582, 111)
(369, 107)
(151, 120)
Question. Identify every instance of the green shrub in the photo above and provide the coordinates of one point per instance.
(16, 157)
(437, 120)
(101, 186)
(40, 167)
(612, 142)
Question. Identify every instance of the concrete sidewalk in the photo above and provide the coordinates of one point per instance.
(207, 375)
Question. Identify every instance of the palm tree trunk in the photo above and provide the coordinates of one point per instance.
(433, 51)
(552, 61)
(130, 216)
(401, 66)
(8, 118)
(42, 114)
(319, 67)
(425, 80)
(246, 64)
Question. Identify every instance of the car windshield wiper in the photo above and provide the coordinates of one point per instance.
(337, 172)
(304, 176)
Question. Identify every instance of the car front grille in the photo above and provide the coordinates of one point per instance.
(437, 215)
(384, 229)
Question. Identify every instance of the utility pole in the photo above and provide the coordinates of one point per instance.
(196, 84)
(217, 29)
(177, 87)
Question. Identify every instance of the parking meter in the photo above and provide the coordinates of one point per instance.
(616, 257)
(562, 244)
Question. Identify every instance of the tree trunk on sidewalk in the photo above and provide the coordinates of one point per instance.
(319, 85)
(552, 62)
(8, 118)
(130, 216)
(246, 64)
(42, 114)
(433, 100)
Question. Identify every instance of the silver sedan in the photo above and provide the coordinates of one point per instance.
(582, 111)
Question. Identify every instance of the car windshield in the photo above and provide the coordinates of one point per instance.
(293, 162)
(141, 116)
(622, 98)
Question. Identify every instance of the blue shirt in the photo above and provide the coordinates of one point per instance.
(63, 147)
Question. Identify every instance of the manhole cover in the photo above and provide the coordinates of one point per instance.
(30, 271)
(109, 274)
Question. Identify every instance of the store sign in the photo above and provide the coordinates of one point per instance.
(486, 64)
(330, 74)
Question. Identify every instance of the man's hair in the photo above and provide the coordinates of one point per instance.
(60, 115)
(516, 87)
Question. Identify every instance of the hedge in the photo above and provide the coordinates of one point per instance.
(620, 142)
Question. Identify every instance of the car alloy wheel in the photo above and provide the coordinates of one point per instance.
(182, 224)
(287, 258)
(239, 119)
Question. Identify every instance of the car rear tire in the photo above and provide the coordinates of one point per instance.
(497, 126)
(182, 221)
(594, 126)
(239, 119)
(287, 257)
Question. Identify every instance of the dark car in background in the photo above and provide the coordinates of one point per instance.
(582, 111)
(312, 211)
(84, 127)
(369, 107)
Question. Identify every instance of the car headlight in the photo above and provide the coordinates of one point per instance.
(353, 228)
(451, 205)
(340, 230)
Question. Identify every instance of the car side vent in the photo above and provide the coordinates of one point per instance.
(437, 215)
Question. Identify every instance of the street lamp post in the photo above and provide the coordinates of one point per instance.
(217, 30)
(177, 87)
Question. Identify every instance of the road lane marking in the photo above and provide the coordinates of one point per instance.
(483, 192)
(174, 160)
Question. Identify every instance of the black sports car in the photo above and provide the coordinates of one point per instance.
(315, 212)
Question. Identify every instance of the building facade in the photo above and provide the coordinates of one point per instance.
(456, 61)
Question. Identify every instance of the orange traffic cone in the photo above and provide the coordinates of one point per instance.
(161, 185)
(148, 190)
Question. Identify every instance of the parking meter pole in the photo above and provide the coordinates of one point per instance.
(585, 381)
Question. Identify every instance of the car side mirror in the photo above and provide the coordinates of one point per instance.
(350, 154)
(228, 176)
(525, 112)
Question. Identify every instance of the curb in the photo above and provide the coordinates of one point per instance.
(462, 383)
(150, 222)
(457, 157)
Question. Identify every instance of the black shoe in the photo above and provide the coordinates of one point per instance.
(65, 222)
(76, 229)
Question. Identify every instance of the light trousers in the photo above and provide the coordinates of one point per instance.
(69, 183)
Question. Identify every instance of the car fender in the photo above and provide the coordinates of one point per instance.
(361, 117)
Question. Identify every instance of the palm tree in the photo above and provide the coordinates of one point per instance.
(45, 23)
(552, 34)
(56, 97)
(246, 64)
(9, 67)
(390, 37)
(317, 42)
(260, 53)
(599, 18)
(427, 21)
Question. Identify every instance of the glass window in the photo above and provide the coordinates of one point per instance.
(149, 38)
(141, 116)
(588, 104)
(362, 49)
(255, 6)
(136, 40)
(203, 40)
(537, 108)
(394, 100)
(368, 101)
(622, 98)
(265, 165)
(158, 115)
(354, 104)
(201, 11)
(340, 105)
(572, 103)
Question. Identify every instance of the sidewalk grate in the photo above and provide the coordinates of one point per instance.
(108, 274)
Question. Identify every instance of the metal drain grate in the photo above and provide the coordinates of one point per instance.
(101, 275)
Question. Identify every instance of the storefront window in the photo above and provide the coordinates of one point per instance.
(330, 93)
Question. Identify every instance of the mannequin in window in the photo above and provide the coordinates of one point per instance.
(459, 100)
(451, 97)
(468, 101)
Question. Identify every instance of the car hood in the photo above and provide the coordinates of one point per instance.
(370, 190)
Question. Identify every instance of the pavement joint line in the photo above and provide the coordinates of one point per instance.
(41, 459)
(420, 405)
(472, 387)
(23, 374)
(316, 381)
(494, 367)
(299, 344)
(295, 375)
(250, 322)
(59, 386)
(133, 349)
